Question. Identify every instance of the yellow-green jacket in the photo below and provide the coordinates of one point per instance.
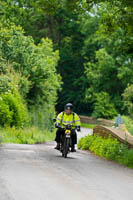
(63, 118)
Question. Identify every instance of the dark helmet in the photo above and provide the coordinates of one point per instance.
(68, 106)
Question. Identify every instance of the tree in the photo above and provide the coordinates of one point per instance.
(33, 67)
(110, 70)
(94, 39)
(36, 63)
(128, 100)
(103, 106)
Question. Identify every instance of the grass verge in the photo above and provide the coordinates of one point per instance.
(30, 135)
(109, 148)
(88, 125)
(128, 124)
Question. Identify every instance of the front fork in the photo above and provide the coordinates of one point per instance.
(64, 139)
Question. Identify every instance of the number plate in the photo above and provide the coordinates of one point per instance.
(67, 136)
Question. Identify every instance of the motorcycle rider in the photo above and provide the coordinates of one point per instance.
(64, 118)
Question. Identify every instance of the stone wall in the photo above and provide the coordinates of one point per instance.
(88, 120)
(116, 133)
(100, 121)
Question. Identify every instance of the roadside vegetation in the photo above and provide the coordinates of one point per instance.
(109, 148)
(41, 42)
(128, 122)
(91, 126)
(30, 135)
(28, 86)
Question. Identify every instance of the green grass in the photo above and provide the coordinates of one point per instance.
(108, 148)
(30, 135)
(88, 125)
(128, 124)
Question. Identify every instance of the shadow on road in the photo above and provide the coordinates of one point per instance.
(70, 158)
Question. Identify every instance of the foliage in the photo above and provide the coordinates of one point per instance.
(36, 63)
(30, 135)
(13, 108)
(42, 117)
(29, 70)
(109, 148)
(128, 100)
(59, 22)
(103, 106)
(91, 126)
(10, 80)
(94, 39)
(1, 139)
(128, 122)
(110, 69)
(13, 112)
(5, 114)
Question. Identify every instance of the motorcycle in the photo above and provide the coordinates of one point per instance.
(66, 141)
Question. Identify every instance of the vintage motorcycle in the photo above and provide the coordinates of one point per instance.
(66, 141)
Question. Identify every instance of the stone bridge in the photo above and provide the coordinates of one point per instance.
(122, 136)
(105, 128)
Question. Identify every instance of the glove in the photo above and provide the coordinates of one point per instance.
(78, 128)
(62, 129)
(57, 125)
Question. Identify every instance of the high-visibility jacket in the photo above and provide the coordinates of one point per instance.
(65, 119)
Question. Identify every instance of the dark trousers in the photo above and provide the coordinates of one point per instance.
(60, 132)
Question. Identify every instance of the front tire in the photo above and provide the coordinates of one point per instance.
(66, 147)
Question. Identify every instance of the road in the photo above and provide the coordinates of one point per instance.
(38, 172)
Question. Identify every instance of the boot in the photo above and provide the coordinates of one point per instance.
(73, 148)
(57, 146)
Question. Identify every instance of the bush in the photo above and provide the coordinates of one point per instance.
(30, 135)
(1, 139)
(91, 126)
(128, 124)
(103, 106)
(128, 158)
(5, 114)
(109, 148)
(36, 64)
(13, 111)
(128, 100)
(42, 117)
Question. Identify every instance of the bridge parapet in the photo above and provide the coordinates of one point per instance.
(122, 136)
(92, 120)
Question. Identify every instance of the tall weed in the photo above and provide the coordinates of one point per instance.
(26, 135)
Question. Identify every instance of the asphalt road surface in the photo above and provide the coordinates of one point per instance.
(38, 172)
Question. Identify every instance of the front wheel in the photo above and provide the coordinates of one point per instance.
(66, 147)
